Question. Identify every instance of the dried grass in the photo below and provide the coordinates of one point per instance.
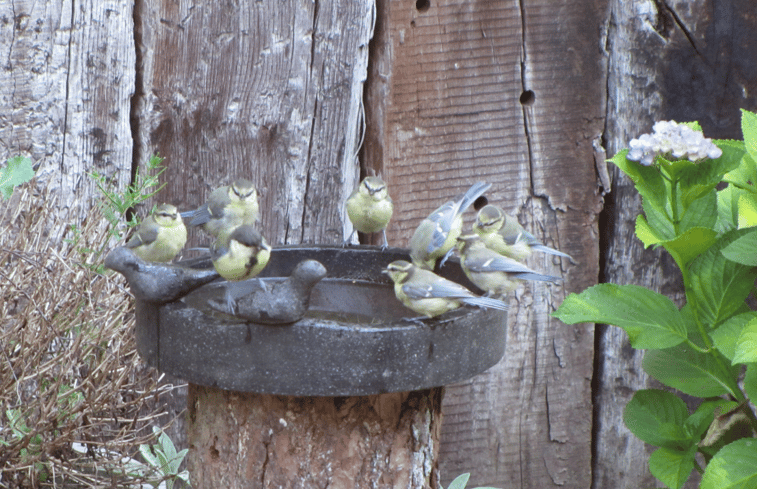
(68, 362)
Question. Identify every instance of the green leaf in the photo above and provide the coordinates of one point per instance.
(647, 179)
(693, 373)
(18, 170)
(651, 320)
(696, 425)
(743, 250)
(728, 211)
(725, 336)
(672, 467)
(702, 212)
(459, 482)
(747, 207)
(659, 220)
(733, 467)
(746, 345)
(690, 245)
(749, 131)
(646, 233)
(656, 417)
(719, 286)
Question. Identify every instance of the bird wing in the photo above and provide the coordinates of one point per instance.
(143, 236)
(494, 262)
(438, 289)
(551, 251)
(199, 216)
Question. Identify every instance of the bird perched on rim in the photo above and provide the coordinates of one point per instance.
(370, 208)
(227, 207)
(503, 234)
(429, 294)
(239, 255)
(437, 234)
(160, 237)
(494, 273)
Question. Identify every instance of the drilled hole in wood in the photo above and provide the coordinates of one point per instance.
(422, 5)
(527, 97)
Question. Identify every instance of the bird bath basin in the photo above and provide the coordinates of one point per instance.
(353, 339)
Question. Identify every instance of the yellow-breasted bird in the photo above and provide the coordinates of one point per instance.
(370, 208)
(160, 237)
(227, 208)
(503, 234)
(239, 255)
(494, 273)
(429, 294)
(437, 234)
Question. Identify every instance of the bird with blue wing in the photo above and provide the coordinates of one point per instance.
(494, 273)
(227, 208)
(160, 237)
(504, 234)
(429, 294)
(436, 235)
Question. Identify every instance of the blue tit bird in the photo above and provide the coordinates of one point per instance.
(429, 294)
(370, 208)
(436, 235)
(227, 208)
(503, 234)
(494, 273)
(160, 237)
(239, 255)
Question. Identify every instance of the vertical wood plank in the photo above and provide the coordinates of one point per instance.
(444, 110)
(270, 91)
(65, 93)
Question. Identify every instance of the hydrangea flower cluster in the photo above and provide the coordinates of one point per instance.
(678, 140)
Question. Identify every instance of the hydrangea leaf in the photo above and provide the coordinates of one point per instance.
(747, 208)
(657, 417)
(719, 286)
(749, 131)
(733, 467)
(650, 319)
(743, 249)
(746, 344)
(691, 372)
(672, 467)
(725, 336)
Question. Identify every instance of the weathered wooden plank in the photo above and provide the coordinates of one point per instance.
(262, 90)
(443, 111)
(65, 93)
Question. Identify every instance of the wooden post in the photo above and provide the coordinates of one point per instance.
(273, 92)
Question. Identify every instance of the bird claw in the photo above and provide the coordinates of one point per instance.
(445, 258)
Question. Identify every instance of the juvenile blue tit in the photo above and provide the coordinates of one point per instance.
(240, 255)
(160, 237)
(227, 208)
(492, 272)
(429, 294)
(370, 208)
(503, 234)
(436, 235)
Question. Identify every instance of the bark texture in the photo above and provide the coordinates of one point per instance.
(253, 440)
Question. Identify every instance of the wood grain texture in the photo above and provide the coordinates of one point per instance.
(268, 91)
(65, 91)
(387, 440)
(672, 60)
(443, 110)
